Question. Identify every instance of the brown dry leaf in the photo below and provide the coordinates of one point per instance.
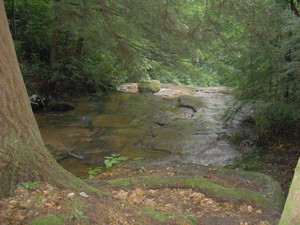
(149, 201)
(152, 191)
(13, 202)
(18, 216)
(49, 205)
(24, 205)
(264, 223)
(249, 208)
(259, 211)
(120, 194)
(227, 205)
(196, 195)
(206, 201)
(243, 223)
(169, 206)
(137, 196)
(246, 208)
(182, 193)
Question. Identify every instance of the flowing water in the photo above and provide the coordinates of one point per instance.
(178, 124)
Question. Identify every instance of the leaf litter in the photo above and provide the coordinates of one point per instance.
(130, 205)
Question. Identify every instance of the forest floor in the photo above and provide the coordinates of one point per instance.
(42, 203)
(136, 204)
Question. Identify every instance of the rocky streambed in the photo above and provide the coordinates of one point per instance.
(177, 124)
(179, 129)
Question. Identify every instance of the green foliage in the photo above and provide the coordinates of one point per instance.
(89, 45)
(77, 215)
(114, 159)
(276, 116)
(33, 33)
(29, 184)
(37, 199)
(157, 215)
(49, 219)
(163, 217)
(190, 218)
(102, 67)
(94, 171)
(262, 59)
(85, 46)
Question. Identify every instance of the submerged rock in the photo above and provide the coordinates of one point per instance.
(60, 107)
(188, 129)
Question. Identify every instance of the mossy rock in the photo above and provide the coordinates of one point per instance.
(49, 219)
(149, 86)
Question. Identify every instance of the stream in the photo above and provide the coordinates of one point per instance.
(177, 124)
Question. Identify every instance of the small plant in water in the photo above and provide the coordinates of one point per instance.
(94, 171)
(114, 159)
(29, 184)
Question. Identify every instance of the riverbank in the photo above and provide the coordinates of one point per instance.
(174, 182)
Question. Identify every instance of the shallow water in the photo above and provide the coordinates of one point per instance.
(163, 127)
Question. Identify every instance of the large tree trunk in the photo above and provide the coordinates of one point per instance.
(23, 155)
(291, 212)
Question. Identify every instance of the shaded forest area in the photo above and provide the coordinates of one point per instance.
(83, 47)
(78, 46)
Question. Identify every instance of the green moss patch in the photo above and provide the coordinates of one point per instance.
(205, 185)
(149, 86)
(49, 219)
(157, 215)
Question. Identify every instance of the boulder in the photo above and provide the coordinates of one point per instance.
(149, 86)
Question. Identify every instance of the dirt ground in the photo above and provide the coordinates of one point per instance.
(127, 205)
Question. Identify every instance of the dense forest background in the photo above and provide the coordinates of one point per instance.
(79, 46)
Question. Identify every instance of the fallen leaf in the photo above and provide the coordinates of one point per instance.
(120, 194)
(71, 195)
(149, 201)
(83, 194)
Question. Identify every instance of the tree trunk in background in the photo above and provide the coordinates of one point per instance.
(79, 47)
(54, 46)
(294, 8)
(23, 156)
(291, 212)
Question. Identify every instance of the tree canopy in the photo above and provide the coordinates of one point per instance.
(71, 46)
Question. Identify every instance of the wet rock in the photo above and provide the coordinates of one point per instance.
(186, 128)
(39, 103)
(190, 102)
(149, 86)
(60, 107)
(106, 120)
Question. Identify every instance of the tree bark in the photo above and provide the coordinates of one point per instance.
(23, 156)
(294, 8)
(291, 211)
(54, 46)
